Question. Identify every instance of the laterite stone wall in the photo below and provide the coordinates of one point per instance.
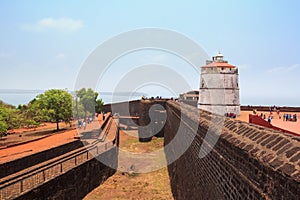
(247, 162)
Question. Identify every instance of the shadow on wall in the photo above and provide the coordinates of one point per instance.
(78, 182)
(247, 162)
(152, 119)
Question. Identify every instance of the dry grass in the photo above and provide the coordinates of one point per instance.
(122, 185)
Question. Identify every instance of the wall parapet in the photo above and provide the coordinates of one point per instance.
(34, 159)
(247, 162)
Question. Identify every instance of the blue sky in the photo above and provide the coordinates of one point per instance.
(44, 43)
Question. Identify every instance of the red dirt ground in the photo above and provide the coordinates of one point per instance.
(22, 150)
(290, 126)
(57, 139)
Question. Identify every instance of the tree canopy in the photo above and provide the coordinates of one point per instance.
(87, 98)
(8, 117)
(56, 105)
(3, 124)
(52, 106)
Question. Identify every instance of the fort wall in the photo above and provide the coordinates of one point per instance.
(123, 108)
(267, 108)
(77, 182)
(31, 160)
(247, 162)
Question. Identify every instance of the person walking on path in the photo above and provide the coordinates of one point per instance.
(269, 119)
(84, 125)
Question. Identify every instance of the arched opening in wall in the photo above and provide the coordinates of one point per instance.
(159, 121)
(152, 120)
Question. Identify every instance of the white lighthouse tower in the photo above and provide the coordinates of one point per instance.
(219, 87)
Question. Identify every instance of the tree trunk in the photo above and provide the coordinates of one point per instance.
(57, 126)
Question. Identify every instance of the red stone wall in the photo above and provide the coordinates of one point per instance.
(248, 161)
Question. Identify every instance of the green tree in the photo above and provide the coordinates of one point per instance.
(56, 105)
(99, 105)
(3, 124)
(88, 99)
(9, 117)
(78, 109)
(34, 113)
(13, 118)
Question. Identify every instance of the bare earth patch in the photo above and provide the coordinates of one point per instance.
(21, 135)
(123, 185)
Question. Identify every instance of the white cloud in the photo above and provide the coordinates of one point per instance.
(60, 56)
(284, 69)
(61, 24)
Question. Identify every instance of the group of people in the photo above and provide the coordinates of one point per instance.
(285, 117)
(151, 98)
(231, 115)
(290, 117)
(274, 108)
(270, 117)
(83, 123)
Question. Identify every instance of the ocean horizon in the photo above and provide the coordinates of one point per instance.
(17, 97)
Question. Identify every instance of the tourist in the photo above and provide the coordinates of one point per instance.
(79, 124)
(84, 125)
(294, 117)
(269, 119)
(90, 119)
(284, 116)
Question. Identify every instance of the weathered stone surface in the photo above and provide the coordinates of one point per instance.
(31, 160)
(292, 151)
(295, 158)
(281, 144)
(288, 168)
(244, 164)
(276, 163)
(284, 149)
(78, 182)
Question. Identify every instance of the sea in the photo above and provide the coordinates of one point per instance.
(23, 97)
